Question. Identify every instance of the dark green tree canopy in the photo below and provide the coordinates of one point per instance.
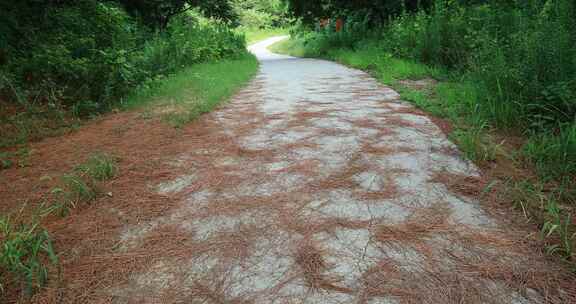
(157, 13)
(376, 10)
(154, 13)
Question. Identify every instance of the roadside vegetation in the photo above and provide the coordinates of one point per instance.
(63, 63)
(500, 71)
(256, 35)
(261, 19)
(67, 60)
(195, 90)
(503, 73)
(28, 258)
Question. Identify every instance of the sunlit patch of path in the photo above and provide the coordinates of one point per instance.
(328, 189)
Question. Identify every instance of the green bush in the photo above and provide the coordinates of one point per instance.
(262, 14)
(520, 56)
(86, 56)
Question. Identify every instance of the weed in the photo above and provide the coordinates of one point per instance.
(24, 155)
(78, 189)
(559, 225)
(81, 185)
(73, 191)
(293, 47)
(26, 253)
(21, 158)
(538, 202)
(473, 141)
(99, 166)
(5, 161)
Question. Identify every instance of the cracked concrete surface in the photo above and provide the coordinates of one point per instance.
(331, 200)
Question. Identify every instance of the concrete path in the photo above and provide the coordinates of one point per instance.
(329, 189)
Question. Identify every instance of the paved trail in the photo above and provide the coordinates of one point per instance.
(329, 189)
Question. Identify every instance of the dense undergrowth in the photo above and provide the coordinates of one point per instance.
(261, 19)
(83, 59)
(503, 69)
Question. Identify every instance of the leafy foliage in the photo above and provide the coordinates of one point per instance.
(262, 14)
(157, 13)
(509, 65)
(377, 11)
(86, 55)
(519, 55)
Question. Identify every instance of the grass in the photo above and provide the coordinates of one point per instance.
(73, 191)
(552, 153)
(542, 199)
(382, 65)
(19, 158)
(81, 186)
(25, 255)
(257, 35)
(99, 166)
(20, 124)
(26, 250)
(292, 47)
(195, 90)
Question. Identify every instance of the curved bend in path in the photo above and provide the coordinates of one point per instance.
(318, 185)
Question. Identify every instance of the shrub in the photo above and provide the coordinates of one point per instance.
(521, 58)
(86, 56)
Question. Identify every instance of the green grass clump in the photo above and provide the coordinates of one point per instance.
(26, 252)
(78, 189)
(81, 186)
(553, 154)
(99, 166)
(537, 201)
(5, 161)
(292, 47)
(196, 90)
(73, 191)
(382, 64)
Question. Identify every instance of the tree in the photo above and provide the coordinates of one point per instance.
(157, 13)
(261, 13)
(377, 10)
